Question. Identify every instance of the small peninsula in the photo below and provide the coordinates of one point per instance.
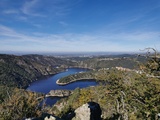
(76, 77)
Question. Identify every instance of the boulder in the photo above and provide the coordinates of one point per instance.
(88, 111)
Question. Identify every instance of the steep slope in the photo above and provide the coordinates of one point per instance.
(22, 70)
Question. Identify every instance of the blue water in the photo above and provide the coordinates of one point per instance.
(47, 84)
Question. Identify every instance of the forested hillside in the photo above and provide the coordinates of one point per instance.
(18, 72)
(22, 70)
(126, 61)
(122, 94)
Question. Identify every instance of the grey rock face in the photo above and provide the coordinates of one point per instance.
(49, 117)
(88, 111)
(59, 93)
(44, 116)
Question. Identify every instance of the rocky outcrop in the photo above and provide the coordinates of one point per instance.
(45, 116)
(88, 111)
(59, 93)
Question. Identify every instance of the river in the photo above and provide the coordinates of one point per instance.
(47, 84)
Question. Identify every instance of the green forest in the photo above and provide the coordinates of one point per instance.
(121, 94)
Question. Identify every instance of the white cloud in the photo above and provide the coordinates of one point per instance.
(10, 11)
(29, 8)
(37, 25)
(6, 31)
(136, 36)
(54, 8)
(22, 18)
(77, 42)
(63, 23)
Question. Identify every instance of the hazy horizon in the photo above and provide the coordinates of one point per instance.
(96, 53)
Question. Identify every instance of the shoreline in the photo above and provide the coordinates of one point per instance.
(49, 75)
(82, 79)
(38, 78)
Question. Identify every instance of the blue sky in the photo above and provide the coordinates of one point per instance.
(79, 25)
